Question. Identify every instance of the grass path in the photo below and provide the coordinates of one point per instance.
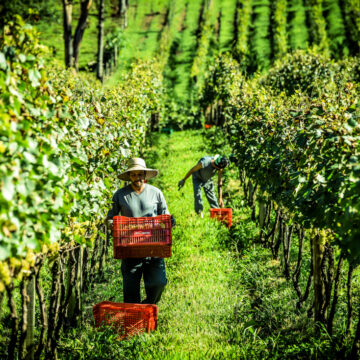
(218, 304)
(202, 293)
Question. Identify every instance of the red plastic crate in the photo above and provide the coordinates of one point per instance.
(224, 215)
(139, 237)
(208, 126)
(127, 319)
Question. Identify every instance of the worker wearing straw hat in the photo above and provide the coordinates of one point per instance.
(139, 199)
(202, 174)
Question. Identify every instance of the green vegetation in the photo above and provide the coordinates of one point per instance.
(311, 142)
(225, 298)
(60, 136)
(228, 22)
(280, 82)
(298, 34)
(261, 50)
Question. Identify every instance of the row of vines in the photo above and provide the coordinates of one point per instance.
(62, 140)
(256, 33)
(295, 135)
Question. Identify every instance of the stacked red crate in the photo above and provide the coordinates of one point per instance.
(142, 236)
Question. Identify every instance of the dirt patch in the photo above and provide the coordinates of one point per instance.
(183, 17)
(148, 19)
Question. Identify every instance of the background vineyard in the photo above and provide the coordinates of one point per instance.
(278, 80)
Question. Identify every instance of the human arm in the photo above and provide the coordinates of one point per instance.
(197, 167)
(115, 210)
(220, 184)
(163, 209)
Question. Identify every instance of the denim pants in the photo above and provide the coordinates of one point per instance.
(153, 271)
(209, 193)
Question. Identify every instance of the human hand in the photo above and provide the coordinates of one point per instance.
(109, 224)
(173, 221)
(181, 183)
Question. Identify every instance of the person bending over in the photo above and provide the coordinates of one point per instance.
(202, 174)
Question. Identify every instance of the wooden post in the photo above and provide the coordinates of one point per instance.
(262, 213)
(29, 340)
(319, 286)
(100, 54)
(115, 54)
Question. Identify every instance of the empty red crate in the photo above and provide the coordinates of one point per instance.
(224, 215)
(139, 237)
(127, 319)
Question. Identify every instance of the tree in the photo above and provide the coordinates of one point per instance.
(72, 44)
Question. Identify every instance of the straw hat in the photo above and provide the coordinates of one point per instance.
(136, 164)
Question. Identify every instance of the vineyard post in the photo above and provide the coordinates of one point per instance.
(319, 286)
(123, 5)
(115, 54)
(262, 216)
(14, 321)
(78, 286)
(1, 300)
(100, 56)
(29, 340)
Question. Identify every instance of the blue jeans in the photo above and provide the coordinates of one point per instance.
(209, 193)
(153, 270)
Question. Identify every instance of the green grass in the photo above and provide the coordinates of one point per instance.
(261, 49)
(226, 296)
(226, 37)
(186, 51)
(52, 33)
(297, 30)
(219, 303)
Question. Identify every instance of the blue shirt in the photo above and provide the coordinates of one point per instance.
(207, 171)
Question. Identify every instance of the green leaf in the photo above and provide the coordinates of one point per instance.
(3, 63)
(352, 122)
(34, 77)
(8, 189)
(22, 58)
(29, 157)
(5, 251)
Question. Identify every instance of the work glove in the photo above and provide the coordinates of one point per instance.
(181, 183)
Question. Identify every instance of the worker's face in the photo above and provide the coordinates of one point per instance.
(137, 179)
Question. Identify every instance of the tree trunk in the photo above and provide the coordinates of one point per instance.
(100, 55)
(79, 32)
(67, 5)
